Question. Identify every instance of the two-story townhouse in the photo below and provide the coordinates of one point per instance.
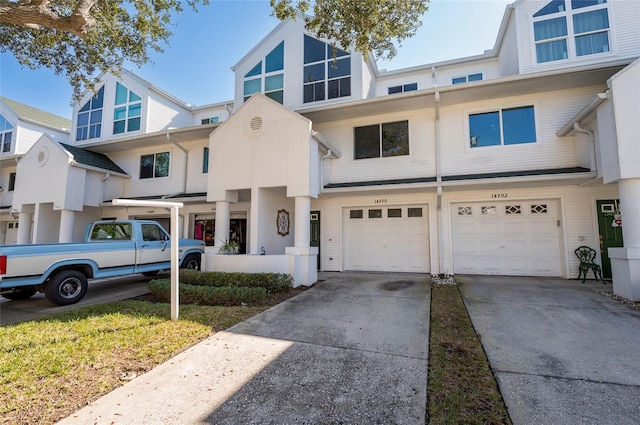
(501, 163)
(20, 128)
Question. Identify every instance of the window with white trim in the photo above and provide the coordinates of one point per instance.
(467, 78)
(89, 120)
(6, 134)
(403, 88)
(154, 165)
(507, 126)
(326, 72)
(381, 140)
(567, 29)
(267, 76)
(205, 161)
(12, 182)
(128, 110)
(211, 120)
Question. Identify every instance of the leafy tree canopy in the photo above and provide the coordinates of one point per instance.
(80, 38)
(369, 26)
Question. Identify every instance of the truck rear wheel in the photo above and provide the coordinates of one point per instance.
(192, 261)
(20, 294)
(66, 287)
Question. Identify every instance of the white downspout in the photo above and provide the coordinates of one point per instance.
(186, 167)
(321, 174)
(592, 142)
(438, 147)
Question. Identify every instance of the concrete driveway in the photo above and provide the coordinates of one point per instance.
(562, 353)
(352, 350)
(100, 291)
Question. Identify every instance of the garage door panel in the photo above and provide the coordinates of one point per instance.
(386, 239)
(516, 238)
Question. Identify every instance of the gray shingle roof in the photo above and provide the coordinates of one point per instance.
(93, 159)
(37, 115)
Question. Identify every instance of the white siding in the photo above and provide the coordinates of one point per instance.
(163, 113)
(553, 110)
(6, 197)
(488, 69)
(421, 77)
(420, 162)
(508, 55)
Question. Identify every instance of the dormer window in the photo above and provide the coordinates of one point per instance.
(89, 124)
(6, 134)
(127, 111)
(562, 32)
(267, 79)
(326, 75)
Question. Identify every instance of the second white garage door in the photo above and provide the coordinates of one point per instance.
(389, 238)
(518, 238)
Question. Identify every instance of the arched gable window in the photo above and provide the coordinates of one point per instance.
(89, 121)
(127, 112)
(268, 79)
(6, 134)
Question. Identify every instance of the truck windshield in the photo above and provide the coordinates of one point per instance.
(111, 231)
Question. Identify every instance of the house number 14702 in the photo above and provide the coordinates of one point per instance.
(498, 195)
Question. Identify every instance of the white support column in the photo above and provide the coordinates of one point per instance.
(24, 227)
(302, 236)
(67, 221)
(223, 215)
(625, 261)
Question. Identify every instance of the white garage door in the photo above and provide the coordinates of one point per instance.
(519, 238)
(389, 238)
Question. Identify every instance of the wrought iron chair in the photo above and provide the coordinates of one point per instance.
(587, 256)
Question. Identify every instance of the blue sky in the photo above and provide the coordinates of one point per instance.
(195, 66)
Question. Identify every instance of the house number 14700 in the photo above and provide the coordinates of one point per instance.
(380, 201)
(498, 195)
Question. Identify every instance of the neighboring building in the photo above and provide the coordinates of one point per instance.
(501, 163)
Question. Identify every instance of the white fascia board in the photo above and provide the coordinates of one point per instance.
(595, 101)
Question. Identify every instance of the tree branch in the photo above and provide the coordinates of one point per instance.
(40, 13)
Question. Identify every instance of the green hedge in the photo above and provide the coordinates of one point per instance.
(207, 295)
(272, 282)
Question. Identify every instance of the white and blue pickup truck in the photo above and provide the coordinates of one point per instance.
(111, 248)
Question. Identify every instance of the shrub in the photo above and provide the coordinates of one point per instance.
(272, 282)
(207, 295)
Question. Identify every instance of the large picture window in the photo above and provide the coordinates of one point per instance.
(510, 126)
(565, 29)
(154, 165)
(327, 71)
(381, 140)
(89, 122)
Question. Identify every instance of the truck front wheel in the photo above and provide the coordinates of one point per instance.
(66, 287)
(192, 261)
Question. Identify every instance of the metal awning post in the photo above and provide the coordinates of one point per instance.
(173, 234)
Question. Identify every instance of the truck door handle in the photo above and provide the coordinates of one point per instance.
(144, 246)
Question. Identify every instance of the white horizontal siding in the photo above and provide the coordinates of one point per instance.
(508, 56)
(420, 162)
(163, 114)
(625, 19)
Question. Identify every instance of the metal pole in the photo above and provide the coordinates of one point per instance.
(175, 276)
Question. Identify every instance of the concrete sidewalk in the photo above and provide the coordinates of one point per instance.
(562, 353)
(352, 350)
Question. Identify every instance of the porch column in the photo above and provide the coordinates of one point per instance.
(223, 215)
(625, 261)
(67, 221)
(24, 227)
(302, 236)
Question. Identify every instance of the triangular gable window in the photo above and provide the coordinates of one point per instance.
(6, 134)
(553, 7)
(128, 111)
(269, 81)
(89, 121)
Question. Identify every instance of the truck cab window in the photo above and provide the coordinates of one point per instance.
(152, 232)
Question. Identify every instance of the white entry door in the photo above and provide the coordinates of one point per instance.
(512, 238)
(389, 238)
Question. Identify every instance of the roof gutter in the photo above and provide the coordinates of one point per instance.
(325, 144)
(584, 112)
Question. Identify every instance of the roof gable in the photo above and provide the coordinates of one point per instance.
(36, 115)
(92, 159)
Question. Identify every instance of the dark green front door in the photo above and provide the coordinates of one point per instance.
(610, 234)
(315, 232)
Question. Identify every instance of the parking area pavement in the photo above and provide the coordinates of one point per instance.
(352, 350)
(562, 352)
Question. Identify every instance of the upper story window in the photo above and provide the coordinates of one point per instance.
(127, 111)
(89, 124)
(563, 33)
(267, 76)
(6, 134)
(509, 126)
(205, 161)
(211, 120)
(327, 71)
(154, 165)
(381, 140)
(467, 78)
(403, 88)
(12, 182)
